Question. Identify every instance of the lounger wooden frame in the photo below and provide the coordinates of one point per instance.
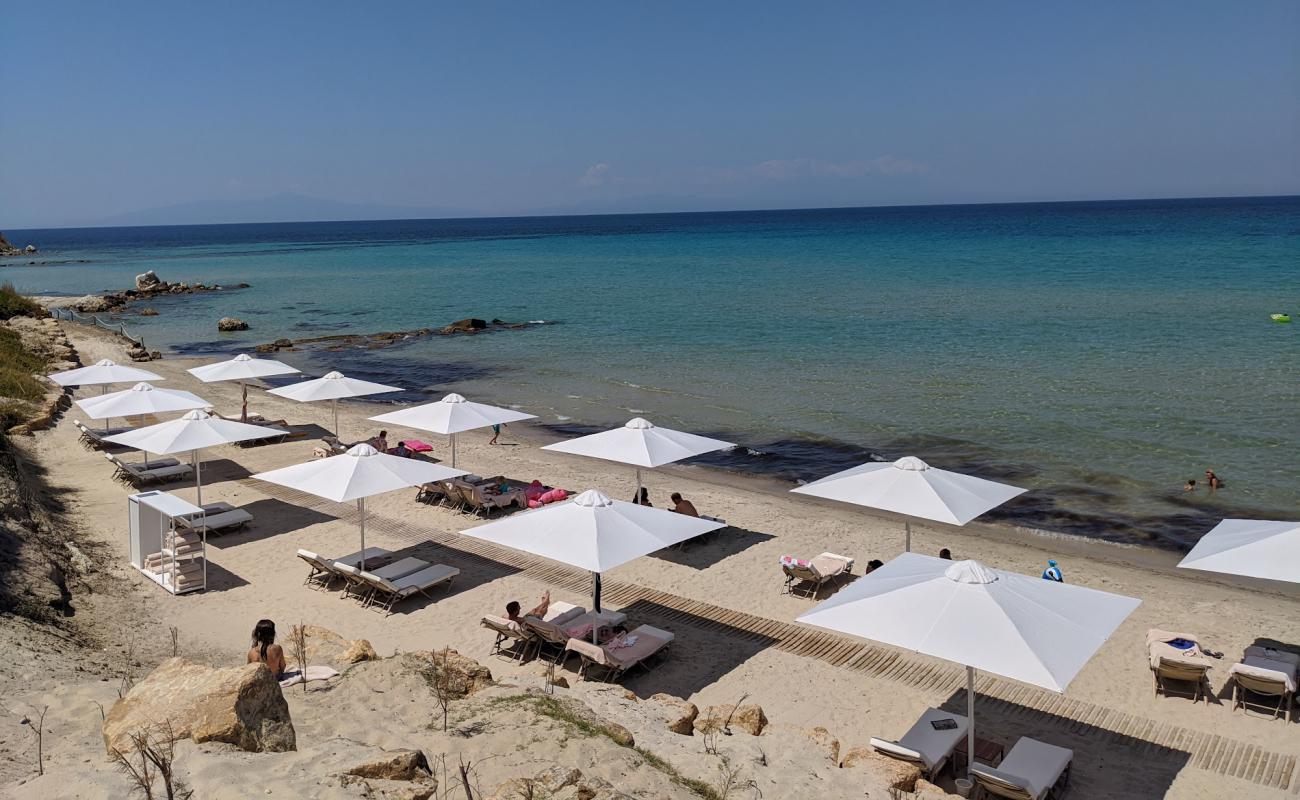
(1169, 669)
(1243, 684)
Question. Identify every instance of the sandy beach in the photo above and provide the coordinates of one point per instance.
(722, 598)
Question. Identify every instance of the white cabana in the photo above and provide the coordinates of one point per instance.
(359, 473)
(139, 400)
(1025, 628)
(451, 415)
(1257, 548)
(193, 432)
(593, 532)
(332, 386)
(912, 487)
(642, 444)
(242, 368)
(102, 373)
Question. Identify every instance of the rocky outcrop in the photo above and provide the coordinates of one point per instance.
(394, 765)
(889, 772)
(29, 249)
(557, 783)
(929, 791)
(228, 324)
(7, 249)
(679, 715)
(748, 718)
(147, 285)
(372, 341)
(242, 706)
(148, 312)
(148, 282)
(325, 647)
(467, 676)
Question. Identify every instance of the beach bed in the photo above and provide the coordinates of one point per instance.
(137, 474)
(93, 438)
(1033, 770)
(219, 516)
(925, 745)
(614, 663)
(807, 577)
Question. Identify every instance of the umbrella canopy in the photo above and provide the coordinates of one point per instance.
(593, 532)
(192, 432)
(640, 443)
(1258, 548)
(450, 416)
(1025, 628)
(332, 386)
(242, 368)
(142, 398)
(102, 372)
(912, 487)
(357, 474)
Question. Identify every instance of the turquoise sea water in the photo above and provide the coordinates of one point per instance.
(1099, 353)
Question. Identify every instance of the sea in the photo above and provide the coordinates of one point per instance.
(1100, 354)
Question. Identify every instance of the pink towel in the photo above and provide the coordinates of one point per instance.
(417, 446)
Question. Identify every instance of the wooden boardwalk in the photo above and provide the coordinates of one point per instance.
(1203, 750)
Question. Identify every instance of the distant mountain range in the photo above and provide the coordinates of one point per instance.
(276, 208)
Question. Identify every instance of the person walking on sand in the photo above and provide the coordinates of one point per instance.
(1053, 572)
(496, 431)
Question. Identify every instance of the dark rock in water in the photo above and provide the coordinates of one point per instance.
(241, 286)
(231, 324)
(465, 326)
(278, 344)
(148, 312)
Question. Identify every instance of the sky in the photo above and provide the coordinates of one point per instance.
(134, 112)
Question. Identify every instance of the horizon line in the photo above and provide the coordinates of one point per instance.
(667, 213)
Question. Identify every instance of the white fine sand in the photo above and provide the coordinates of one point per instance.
(254, 574)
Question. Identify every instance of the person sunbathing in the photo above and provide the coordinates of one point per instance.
(516, 621)
(683, 506)
(265, 650)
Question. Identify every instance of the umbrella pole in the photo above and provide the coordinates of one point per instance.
(203, 515)
(243, 409)
(907, 537)
(970, 720)
(636, 498)
(335, 403)
(595, 603)
(361, 510)
(453, 450)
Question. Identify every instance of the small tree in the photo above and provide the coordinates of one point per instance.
(38, 730)
(444, 682)
(152, 755)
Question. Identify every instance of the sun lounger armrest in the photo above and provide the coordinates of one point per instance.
(1002, 783)
(588, 650)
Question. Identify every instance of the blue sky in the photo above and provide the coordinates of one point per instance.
(508, 108)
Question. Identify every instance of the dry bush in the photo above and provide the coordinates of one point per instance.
(298, 644)
(152, 755)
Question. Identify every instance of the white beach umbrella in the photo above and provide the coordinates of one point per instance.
(357, 474)
(102, 373)
(1257, 548)
(912, 487)
(191, 433)
(139, 400)
(1021, 627)
(593, 532)
(452, 415)
(242, 368)
(641, 443)
(332, 386)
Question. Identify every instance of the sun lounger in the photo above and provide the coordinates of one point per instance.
(374, 557)
(219, 516)
(925, 745)
(94, 437)
(1178, 664)
(322, 572)
(1033, 770)
(615, 662)
(139, 475)
(1268, 672)
(388, 593)
(363, 588)
(512, 640)
(806, 578)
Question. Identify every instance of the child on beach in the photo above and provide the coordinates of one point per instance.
(1190, 486)
(496, 431)
(1053, 572)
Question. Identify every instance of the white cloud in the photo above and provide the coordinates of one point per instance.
(595, 175)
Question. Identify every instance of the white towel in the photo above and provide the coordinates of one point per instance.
(313, 674)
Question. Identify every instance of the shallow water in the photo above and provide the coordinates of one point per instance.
(1099, 353)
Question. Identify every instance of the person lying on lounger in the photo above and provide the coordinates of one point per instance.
(265, 650)
(517, 621)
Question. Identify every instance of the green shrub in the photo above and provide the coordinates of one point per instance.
(13, 304)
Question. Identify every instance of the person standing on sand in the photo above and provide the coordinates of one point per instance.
(496, 431)
(1053, 572)
(265, 650)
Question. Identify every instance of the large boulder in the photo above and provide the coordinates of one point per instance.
(7, 249)
(929, 791)
(149, 282)
(465, 326)
(889, 772)
(467, 676)
(242, 706)
(231, 324)
(395, 765)
(748, 718)
(678, 715)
